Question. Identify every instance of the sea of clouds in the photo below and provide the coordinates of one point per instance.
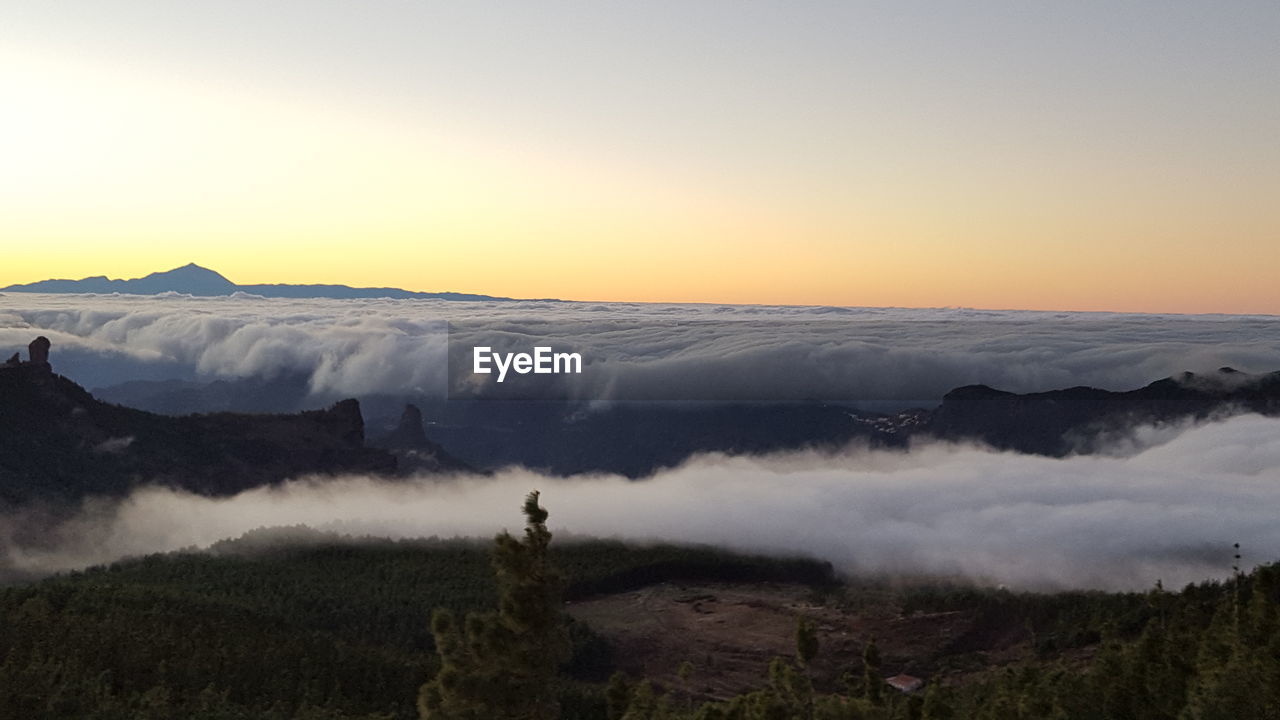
(886, 356)
(1168, 511)
(1167, 506)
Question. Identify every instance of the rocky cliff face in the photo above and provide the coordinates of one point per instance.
(59, 443)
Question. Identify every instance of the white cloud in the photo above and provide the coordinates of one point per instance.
(1168, 512)
(634, 351)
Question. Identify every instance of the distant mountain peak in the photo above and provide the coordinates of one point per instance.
(190, 279)
(190, 269)
(193, 279)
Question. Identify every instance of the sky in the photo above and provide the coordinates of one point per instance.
(1069, 156)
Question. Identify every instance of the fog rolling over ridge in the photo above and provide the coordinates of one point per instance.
(1159, 504)
(1168, 512)
(734, 353)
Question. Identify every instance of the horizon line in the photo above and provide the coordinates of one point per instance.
(9, 288)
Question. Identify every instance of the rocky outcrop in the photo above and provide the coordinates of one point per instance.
(343, 420)
(408, 433)
(59, 443)
(38, 352)
(414, 450)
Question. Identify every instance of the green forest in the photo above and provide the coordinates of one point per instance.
(294, 623)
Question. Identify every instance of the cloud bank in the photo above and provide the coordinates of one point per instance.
(632, 351)
(1168, 512)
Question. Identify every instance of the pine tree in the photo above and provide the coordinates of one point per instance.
(806, 651)
(872, 683)
(618, 695)
(504, 664)
(936, 705)
(806, 640)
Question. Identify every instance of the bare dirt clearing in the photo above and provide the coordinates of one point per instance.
(730, 632)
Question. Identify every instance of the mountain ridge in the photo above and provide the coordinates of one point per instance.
(59, 441)
(193, 279)
(60, 444)
(1081, 419)
(638, 439)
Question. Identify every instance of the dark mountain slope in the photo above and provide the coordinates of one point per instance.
(637, 439)
(57, 442)
(1080, 419)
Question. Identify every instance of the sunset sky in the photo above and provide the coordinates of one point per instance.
(1076, 155)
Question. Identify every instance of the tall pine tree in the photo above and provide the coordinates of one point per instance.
(504, 665)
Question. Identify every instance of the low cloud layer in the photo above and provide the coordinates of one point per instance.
(632, 352)
(1168, 512)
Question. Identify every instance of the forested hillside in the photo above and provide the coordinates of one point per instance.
(291, 623)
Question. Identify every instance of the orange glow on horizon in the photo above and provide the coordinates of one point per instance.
(121, 169)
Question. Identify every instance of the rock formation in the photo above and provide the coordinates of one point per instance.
(38, 359)
(342, 420)
(60, 444)
(38, 351)
(408, 434)
(414, 450)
